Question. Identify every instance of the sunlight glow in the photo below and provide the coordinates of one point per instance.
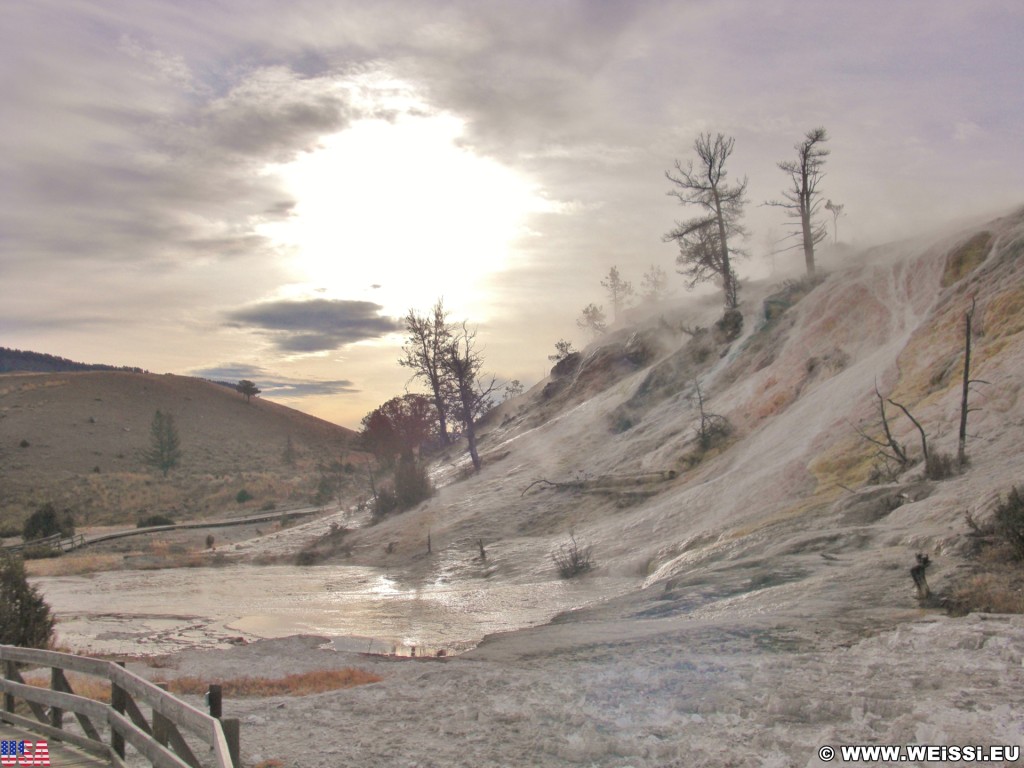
(394, 211)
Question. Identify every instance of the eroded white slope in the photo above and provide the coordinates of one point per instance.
(772, 609)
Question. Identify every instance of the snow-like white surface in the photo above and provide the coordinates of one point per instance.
(769, 610)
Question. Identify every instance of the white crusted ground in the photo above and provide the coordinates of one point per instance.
(757, 609)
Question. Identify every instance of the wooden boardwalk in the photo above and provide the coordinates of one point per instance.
(172, 734)
(61, 755)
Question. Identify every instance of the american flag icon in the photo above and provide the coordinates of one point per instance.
(24, 754)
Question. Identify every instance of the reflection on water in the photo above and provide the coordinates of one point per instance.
(364, 609)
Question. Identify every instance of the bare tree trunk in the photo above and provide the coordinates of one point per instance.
(805, 225)
(727, 276)
(897, 449)
(471, 442)
(924, 438)
(961, 452)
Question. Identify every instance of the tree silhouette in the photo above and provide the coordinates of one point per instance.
(836, 210)
(248, 389)
(563, 349)
(704, 240)
(428, 338)
(470, 395)
(593, 319)
(619, 291)
(654, 284)
(801, 199)
(165, 447)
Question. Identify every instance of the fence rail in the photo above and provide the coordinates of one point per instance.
(55, 541)
(159, 738)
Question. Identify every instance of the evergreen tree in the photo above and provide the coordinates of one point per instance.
(25, 618)
(619, 291)
(165, 447)
(247, 388)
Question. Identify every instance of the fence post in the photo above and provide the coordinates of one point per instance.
(232, 735)
(214, 698)
(230, 725)
(160, 730)
(57, 683)
(10, 669)
(118, 702)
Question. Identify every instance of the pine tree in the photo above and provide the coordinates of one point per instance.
(25, 618)
(165, 447)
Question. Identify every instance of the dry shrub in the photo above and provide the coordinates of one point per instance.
(302, 684)
(1009, 521)
(572, 559)
(996, 592)
(998, 584)
(166, 661)
(940, 466)
(88, 686)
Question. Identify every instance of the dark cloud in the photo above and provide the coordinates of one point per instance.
(315, 325)
(276, 386)
(272, 114)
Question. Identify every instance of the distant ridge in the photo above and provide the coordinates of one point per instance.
(78, 440)
(17, 360)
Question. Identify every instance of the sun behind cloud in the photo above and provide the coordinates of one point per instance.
(394, 204)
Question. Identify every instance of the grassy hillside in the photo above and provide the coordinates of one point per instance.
(77, 440)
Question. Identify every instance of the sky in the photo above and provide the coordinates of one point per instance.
(263, 189)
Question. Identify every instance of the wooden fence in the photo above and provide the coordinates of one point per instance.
(105, 729)
(55, 542)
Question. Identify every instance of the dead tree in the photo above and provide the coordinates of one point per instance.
(920, 429)
(470, 395)
(961, 453)
(426, 344)
(703, 241)
(574, 485)
(801, 199)
(712, 425)
(890, 449)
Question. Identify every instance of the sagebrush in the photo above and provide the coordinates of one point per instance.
(1009, 521)
(572, 558)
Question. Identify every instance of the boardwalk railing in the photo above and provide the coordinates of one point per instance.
(56, 541)
(105, 729)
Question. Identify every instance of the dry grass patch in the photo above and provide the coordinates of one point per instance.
(997, 584)
(75, 564)
(302, 684)
(88, 686)
(848, 462)
(966, 258)
(990, 592)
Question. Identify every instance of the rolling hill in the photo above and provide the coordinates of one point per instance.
(77, 440)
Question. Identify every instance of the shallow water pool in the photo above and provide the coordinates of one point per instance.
(360, 608)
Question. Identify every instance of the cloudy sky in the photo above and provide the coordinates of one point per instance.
(261, 189)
